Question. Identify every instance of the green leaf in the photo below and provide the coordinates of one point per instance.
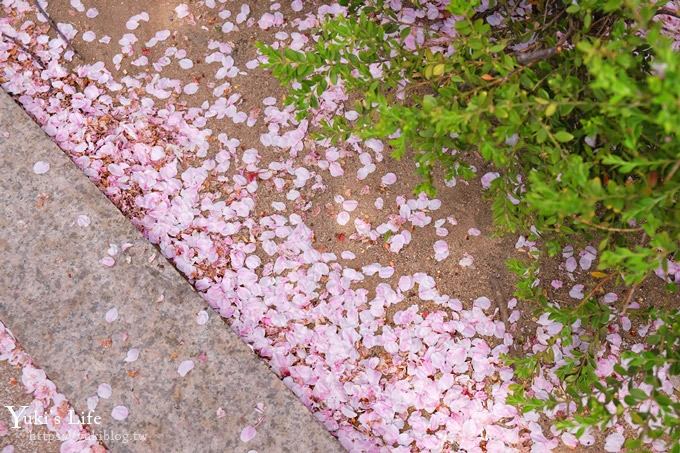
(563, 136)
(638, 394)
(551, 109)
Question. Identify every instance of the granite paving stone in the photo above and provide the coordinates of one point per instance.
(55, 294)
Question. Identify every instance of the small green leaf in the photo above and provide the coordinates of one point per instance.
(638, 394)
(551, 109)
(563, 136)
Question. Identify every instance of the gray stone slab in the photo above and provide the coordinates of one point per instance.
(54, 294)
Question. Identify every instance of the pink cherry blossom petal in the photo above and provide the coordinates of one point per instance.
(119, 413)
(474, 232)
(441, 250)
(182, 10)
(350, 205)
(343, 218)
(41, 167)
(610, 298)
(202, 318)
(466, 261)
(132, 355)
(389, 179)
(83, 220)
(104, 391)
(571, 264)
(614, 442)
(111, 315)
(190, 88)
(185, 367)
(576, 292)
(488, 178)
(248, 433)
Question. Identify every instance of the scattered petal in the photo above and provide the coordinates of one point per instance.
(343, 218)
(41, 167)
(248, 433)
(111, 315)
(466, 260)
(488, 178)
(185, 367)
(389, 179)
(441, 250)
(202, 318)
(182, 10)
(474, 232)
(132, 355)
(614, 442)
(120, 413)
(104, 391)
(576, 292)
(83, 220)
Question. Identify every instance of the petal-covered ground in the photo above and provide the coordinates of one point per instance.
(386, 313)
(48, 419)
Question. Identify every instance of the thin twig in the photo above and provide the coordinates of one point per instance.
(530, 57)
(629, 298)
(598, 286)
(18, 43)
(672, 172)
(607, 228)
(499, 299)
(668, 12)
(546, 8)
(53, 24)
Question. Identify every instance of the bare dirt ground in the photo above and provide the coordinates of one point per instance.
(464, 201)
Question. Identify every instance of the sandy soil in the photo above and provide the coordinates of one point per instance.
(464, 202)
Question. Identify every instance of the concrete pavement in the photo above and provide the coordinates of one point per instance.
(55, 296)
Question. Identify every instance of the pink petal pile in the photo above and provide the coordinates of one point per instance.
(48, 406)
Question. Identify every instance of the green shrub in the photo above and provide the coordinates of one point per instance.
(576, 104)
(598, 401)
(583, 125)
